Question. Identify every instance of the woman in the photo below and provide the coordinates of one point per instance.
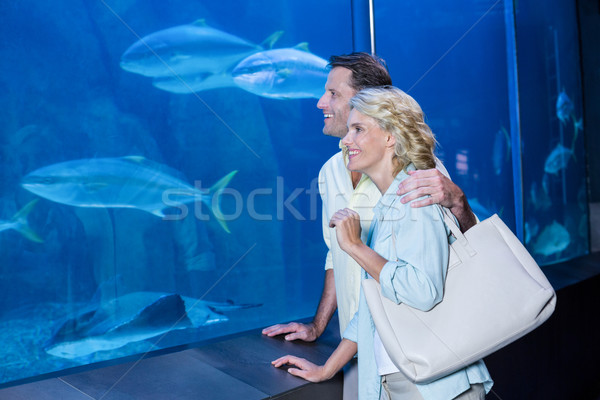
(408, 252)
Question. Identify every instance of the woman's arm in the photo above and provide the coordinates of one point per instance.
(420, 242)
(347, 224)
(318, 373)
(417, 273)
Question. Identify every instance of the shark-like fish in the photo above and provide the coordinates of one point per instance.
(132, 318)
(186, 50)
(125, 182)
(288, 73)
(19, 223)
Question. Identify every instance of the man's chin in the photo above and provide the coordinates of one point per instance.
(334, 134)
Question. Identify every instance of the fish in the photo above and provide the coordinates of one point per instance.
(531, 229)
(187, 50)
(557, 159)
(578, 125)
(130, 318)
(124, 182)
(564, 107)
(553, 239)
(538, 195)
(193, 83)
(287, 73)
(501, 150)
(19, 223)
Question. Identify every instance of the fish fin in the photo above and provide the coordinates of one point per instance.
(168, 310)
(200, 22)
(284, 72)
(575, 134)
(29, 233)
(269, 42)
(23, 212)
(302, 46)
(216, 209)
(23, 227)
(158, 213)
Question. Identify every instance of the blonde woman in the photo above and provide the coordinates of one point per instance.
(407, 251)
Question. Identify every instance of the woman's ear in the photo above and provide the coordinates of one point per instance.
(390, 140)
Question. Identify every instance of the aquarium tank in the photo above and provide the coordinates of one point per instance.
(160, 159)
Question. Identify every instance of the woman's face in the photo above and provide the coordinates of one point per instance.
(368, 145)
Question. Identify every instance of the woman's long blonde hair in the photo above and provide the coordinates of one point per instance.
(399, 114)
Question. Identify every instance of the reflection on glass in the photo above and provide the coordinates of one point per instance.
(122, 227)
(556, 217)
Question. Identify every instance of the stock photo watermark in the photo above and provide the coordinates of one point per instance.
(280, 203)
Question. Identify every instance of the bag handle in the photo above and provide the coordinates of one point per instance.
(454, 228)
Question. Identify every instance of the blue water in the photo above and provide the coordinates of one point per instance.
(454, 58)
(65, 97)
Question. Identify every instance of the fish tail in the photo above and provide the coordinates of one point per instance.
(216, 208)
(269, 42)
(23, 226)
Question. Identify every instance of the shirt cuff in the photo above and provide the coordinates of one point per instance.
(385, 280)
(351, 332)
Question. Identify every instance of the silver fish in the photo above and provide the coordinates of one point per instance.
(501, 150)
(564, 107)
(126, 182)
(187, 50)
(557, 159)
(193, 83)
(288, 73)
(553, 239)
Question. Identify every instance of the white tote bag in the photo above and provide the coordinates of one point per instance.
(494, 294)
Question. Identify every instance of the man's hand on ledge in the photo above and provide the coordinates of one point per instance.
(294, 330)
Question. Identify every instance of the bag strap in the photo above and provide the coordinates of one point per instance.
(460, 237)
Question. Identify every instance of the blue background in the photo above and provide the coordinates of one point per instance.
(63, 97)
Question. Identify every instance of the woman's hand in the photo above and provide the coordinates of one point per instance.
(306, 370)
(347, 228)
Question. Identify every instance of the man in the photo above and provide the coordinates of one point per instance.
(341, 188)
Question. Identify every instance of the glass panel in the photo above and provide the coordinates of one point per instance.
(554, 183)
(95, 143)
(451, 57)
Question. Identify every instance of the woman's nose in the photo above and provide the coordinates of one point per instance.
(347, 140)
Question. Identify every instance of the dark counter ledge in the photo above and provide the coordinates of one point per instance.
(235, 368)
(560, 360)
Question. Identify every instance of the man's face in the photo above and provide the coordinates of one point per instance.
(335, 102)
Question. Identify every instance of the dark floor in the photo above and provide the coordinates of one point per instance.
(557, 361)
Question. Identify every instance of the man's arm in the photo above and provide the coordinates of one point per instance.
(441, 191)
(310, 332)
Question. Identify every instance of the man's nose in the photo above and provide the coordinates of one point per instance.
(321, 102)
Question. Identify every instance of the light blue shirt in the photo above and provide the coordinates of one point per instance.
(418, 253)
